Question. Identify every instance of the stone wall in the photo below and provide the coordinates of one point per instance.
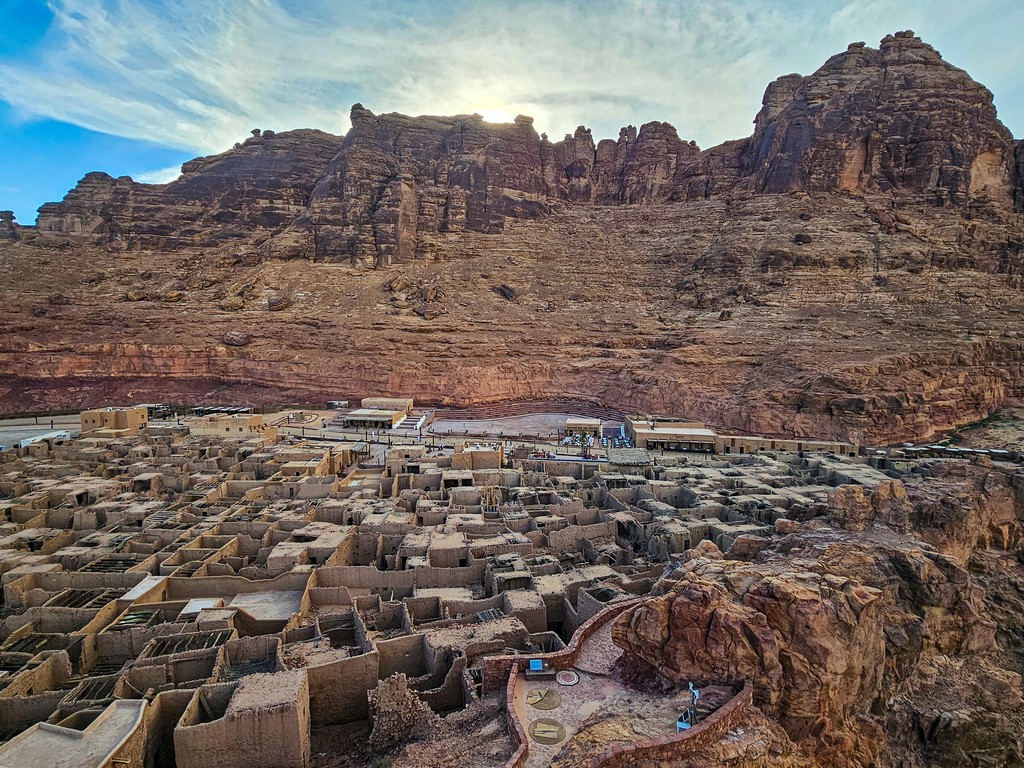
(496, 668)
(663, 750)
(567, 539)
(247, 730)
(505, 669)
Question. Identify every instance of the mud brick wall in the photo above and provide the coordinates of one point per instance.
(496, 668)
(662, 751)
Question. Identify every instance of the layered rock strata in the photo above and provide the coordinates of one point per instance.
(870, 638)
(853, 269)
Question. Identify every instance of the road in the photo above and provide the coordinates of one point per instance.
(13, 431)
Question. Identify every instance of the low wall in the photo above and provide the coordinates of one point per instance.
(515, 729)
(496, 668)
(506, 668)
(658, 751)
(676, 746)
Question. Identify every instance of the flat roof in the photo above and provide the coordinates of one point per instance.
(268, 606)
(634, 457)
(42, 743)
(683, 432)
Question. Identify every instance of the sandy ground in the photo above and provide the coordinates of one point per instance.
(1003, 429)
(12, 431)
(533, 424)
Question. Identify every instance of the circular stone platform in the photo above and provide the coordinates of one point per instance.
(567, 677)
(547, 731)
(543, 698)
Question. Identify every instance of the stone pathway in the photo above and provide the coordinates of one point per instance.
(599, 654)
(595, 690)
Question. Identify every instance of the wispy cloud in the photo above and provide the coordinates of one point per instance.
(198, 74)
(159, 176)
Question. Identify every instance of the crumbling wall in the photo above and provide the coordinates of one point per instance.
(528, 607)
(21, 712)
(450, 694)
(50, 675)
(265, 724)
(162, 715)
(568, 539)
(364, 577)
(337, 690)
(398, 715)
(229, 586)
(457, 607)
(428, 577)
(406, 655)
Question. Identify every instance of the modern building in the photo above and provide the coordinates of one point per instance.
(114, 418)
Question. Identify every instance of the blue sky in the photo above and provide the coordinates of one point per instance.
(137, 87)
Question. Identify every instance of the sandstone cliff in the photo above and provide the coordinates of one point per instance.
(1019, 193)
(868, 646)
(262, 184)
(896, 119)
(8, 230)
(859, 123)
(854, 268)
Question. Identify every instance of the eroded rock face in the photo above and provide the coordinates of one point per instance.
(8, 230)
(261, 185)
(399, 182)
(855, 509)
(641, 272)
(868, 648)
(1019, 191)
(855, 124)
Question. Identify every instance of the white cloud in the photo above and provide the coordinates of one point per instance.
(198, 74)
(159, 176)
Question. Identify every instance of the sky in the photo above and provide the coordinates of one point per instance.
(136, 87)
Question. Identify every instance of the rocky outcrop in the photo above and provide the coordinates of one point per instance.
(858, 124)
(870, 647)
(8, 229)
(756, 285)
(399, 182)
(855, 509)
(261, 185)
(894, 119)
(1019, 188)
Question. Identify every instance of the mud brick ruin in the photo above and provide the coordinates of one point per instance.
(210, 592)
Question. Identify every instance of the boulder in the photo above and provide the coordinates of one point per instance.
(506, 292)
(277, 302)
(236, 339)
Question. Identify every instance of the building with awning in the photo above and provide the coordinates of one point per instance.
(661, 434)
(373, 418)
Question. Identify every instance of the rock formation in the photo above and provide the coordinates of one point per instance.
(8, 230)
(874, 647)
(1019, 192)
(261, 184)
(854, 269)
(856, 124)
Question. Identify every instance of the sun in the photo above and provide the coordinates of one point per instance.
(497, 115)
